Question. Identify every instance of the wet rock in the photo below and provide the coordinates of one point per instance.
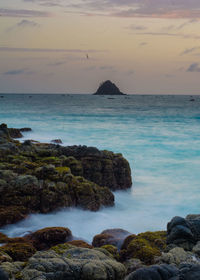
(48, 237)
(57, 141)
(12, 214)
(73, 263)
(183, 232)
(155, 272)
(110, 237)
(15, 133)
(18, 251)
(145, 246)
(101, 167)
(25, 129)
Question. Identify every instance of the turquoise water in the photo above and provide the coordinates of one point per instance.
(159, 135)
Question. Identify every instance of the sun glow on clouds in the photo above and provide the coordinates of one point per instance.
(146, 46)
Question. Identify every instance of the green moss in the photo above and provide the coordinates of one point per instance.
(156, 239)
(112, 250)
(63, 170)
(61, 248)
(51, 160)
(141, 249)
(18, 276)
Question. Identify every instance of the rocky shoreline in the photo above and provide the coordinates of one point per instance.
(41, 177)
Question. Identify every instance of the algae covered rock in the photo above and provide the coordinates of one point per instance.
(42, 177)
(144, 246)
(18, 251)
(73, 263)
(110, 237)
(48, 237)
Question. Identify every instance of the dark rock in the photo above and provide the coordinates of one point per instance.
(155, 272)
(101, 167)
(12, 214)
(190, 272)
(65, 262)
(15, 133)
(57, 141)
(108, 88)
(25, 129)
(183, 232)
(42, 177)
(18, 251)
(110, 237)
(48, 237)
(3, 275)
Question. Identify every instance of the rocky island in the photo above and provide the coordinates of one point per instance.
(108, 88)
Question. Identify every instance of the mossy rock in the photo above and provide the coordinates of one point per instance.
(157, 238)
(63, 170)
(52, 160)
(48, 237)
(62, 248)
(144, 246)
(18, 251)
(112, 250)
(141, 249)
(5, 258)
(3, 238)
(12, 214)
(81, 244)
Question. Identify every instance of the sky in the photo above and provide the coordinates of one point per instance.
(71, 46)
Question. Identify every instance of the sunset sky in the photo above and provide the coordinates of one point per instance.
(144, 46)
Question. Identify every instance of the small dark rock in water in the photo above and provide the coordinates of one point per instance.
(108, 88)
(25, 129)
(16, 132)
(192, 99)
(57, 141)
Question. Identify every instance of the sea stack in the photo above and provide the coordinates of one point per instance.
(108, 88)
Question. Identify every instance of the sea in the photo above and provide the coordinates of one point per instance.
(158, 134)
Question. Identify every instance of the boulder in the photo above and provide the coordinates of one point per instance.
(104, 168)
(145, 246)
(48, 237)
(183, 232)
(177, 256)
(155, 272)
(72, 264)
(110, 237)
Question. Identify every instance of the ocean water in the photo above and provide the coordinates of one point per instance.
(159, 135)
